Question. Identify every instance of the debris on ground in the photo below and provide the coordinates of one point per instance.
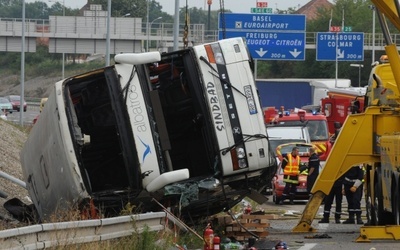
(318, 236)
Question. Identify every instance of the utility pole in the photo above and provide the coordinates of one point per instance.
(21, 101)
(209, 2)
(63, 54)
(336, 49)
(147, 25)
(108, 33)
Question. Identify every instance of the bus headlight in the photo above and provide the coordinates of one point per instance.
(239, 159)
(242, 163)
(240, 153)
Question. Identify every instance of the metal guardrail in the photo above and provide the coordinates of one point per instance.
(48, 235)
(32, 103)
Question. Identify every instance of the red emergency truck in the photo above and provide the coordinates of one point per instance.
(316, 123)
(341, 102)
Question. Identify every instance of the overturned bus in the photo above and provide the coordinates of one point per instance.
(182, 127)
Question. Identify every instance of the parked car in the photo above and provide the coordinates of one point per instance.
(15, 101)
(277, 181)
(5, 106)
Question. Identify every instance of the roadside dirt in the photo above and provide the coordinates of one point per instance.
(12, 139)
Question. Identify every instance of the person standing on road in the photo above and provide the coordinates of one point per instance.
(352, 185)
(335, 193)
(313, 169)
(290, 166)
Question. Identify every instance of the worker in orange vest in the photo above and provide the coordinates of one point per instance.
(291, 171)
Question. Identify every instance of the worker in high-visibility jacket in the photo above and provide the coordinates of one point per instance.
(291, 171)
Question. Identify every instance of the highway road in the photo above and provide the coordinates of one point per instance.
(28, 116)
(330, 236)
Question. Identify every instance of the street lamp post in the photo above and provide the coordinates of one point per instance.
(359, 72)
(108, 33)
(63, 54)
(21, 101)
(147, 25)
(149, 31)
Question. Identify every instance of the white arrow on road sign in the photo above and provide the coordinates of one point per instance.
(295, 53)
(261, 52)
(340, 53)
(349, 46)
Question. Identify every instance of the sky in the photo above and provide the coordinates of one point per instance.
(236, 6)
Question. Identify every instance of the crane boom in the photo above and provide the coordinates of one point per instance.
(360, 139)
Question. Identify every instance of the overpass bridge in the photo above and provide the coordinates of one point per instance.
(87, 35)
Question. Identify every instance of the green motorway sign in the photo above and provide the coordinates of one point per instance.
(261, 10)
(347, 29)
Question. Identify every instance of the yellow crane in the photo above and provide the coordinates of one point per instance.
(371, 138)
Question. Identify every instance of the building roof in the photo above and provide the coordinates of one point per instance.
(311, 8)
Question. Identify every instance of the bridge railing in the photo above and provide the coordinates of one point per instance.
(135, 29)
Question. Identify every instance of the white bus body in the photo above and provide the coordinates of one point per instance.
(150, 125)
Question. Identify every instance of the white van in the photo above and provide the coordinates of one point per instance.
(282, 134)
(180, 127)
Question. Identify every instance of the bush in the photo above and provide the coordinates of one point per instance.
(43, 63)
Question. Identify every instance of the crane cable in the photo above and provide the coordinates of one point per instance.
(186, 28)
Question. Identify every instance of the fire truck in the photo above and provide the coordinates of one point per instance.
(339, 103)
(316, 123)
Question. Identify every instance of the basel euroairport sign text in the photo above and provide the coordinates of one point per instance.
(268, 36)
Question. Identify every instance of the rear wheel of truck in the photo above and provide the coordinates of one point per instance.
(395, 201)
(369, 206)
(378, 201)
